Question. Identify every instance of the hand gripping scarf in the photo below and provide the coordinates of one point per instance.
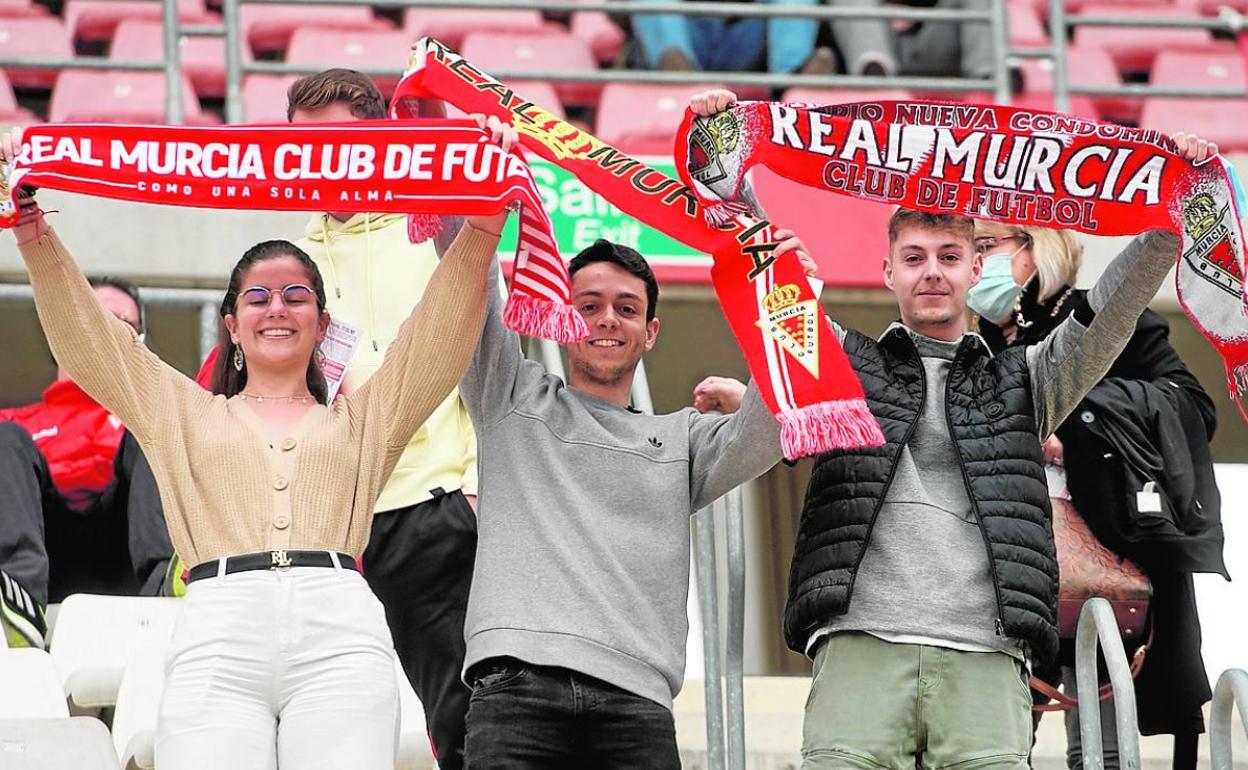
(429, 166)
(802, 374)
(1019, 166)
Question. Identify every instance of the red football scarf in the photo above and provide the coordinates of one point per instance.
(430, 166)
(1020, 166)
(801, 371)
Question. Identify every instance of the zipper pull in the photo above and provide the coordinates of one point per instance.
(338, 291)
(1000, 627)
(375, 348)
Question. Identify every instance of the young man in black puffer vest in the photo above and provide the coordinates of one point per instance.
(924, 577)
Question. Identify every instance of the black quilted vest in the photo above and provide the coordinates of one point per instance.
(991, 416)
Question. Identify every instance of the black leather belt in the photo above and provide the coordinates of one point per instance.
(269, 560)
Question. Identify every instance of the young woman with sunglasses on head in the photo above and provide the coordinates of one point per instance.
(281, 656)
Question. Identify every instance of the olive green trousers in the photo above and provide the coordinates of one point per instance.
(875, 704)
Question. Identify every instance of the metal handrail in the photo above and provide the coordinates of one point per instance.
(1230, 693)
(1098, 628)
(1060, 26)
(207, 300)
(236, 68)
(675, 7)
(734, 652)
(705, 567)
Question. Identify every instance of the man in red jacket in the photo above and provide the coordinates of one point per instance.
(59, 533)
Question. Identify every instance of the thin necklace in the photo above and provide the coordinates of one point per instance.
(288, 399)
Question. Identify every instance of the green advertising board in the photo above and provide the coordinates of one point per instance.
(582, 216)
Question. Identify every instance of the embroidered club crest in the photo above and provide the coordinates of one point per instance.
(1208, 242)
(708, 140)
(793, 323)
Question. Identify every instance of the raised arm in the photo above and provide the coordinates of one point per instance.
(101, 353)
(1080, 351)
(726, 451)
(435, 343)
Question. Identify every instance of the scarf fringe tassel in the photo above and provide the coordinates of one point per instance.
(422, 227)
(721, 213)
(537, 317)
(828, 425)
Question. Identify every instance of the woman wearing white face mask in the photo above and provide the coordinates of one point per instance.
(1028, 272)
(1027, 289)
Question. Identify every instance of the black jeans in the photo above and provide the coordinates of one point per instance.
(525, 717)
(419, 564)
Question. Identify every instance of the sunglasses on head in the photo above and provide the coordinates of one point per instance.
(295, 294)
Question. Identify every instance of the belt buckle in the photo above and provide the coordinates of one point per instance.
(280, 559)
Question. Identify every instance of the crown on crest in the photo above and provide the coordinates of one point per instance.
(1200, 214)
(781, 297)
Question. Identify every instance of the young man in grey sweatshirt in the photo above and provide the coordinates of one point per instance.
(576, 619)
(924, 577)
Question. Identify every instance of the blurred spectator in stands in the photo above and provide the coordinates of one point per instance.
(62, 531)
(731, 44)
(941, 48)
(1027, 290)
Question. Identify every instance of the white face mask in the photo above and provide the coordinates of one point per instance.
(994, 297)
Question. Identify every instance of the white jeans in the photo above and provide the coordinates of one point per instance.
(290, 668)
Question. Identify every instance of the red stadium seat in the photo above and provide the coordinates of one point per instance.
(264, 98)
(1219, 120)
(103, 96)
(268, 27)
(1080, 105)
(1224, 121)
(604, 36)
(203, 58)
(501, 51)
(1026, 26)
(331, 48)
(450, 26)
(539, 92)
(10, 113)
(1211, 7)
(94, 21)
(801, 95)
(1134, 48)
(20, 9)
(1083, 67)
(643, 119)
(35, 37)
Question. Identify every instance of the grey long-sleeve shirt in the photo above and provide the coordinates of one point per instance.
(925, 577)
(583, 524)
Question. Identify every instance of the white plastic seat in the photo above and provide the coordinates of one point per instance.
(75, 743)
(138, 704)
(29, 686)
(95, 636)
(414, 752)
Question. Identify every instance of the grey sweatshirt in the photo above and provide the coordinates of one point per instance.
(925, 577)
(583, 525)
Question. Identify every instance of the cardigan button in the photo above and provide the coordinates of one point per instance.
(282, 521)
(288, 444)
(280, 483)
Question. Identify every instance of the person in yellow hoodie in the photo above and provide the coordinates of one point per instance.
(419, 559)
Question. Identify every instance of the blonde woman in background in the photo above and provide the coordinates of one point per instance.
(1027, 289)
